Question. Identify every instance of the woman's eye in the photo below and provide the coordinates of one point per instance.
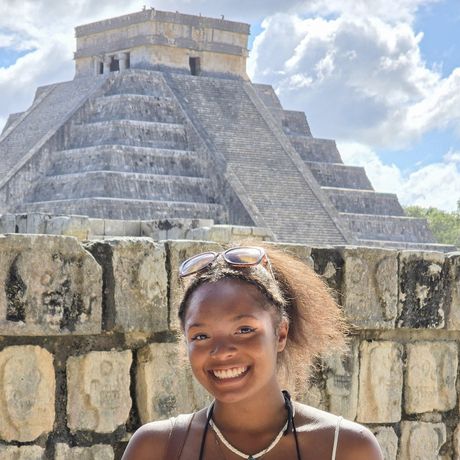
(245, 330)
(199, 337)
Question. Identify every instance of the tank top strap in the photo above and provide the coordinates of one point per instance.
(336, 437)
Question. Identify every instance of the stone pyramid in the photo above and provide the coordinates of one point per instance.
(161, 121)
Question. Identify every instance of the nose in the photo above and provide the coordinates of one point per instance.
(222, 349)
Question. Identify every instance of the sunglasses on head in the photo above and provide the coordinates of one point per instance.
(235, 257)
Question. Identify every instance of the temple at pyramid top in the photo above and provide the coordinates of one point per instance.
(153, 39)
(161, 122)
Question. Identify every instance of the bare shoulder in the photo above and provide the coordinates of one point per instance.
(149, 442)
(355, 442)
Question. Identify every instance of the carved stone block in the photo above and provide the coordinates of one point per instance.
(370, 287)
(457, 443)
(22, 453)
(97, 452)
(178, 252)
(98, 391)
(49, 285)
(27, 392)
(328, 263)
(165, 385)
(136, 284)
(421, 440)
(453, 300)
(388, 441)
(380, 382)
(342, 382)
(431, 377)
(423, 281)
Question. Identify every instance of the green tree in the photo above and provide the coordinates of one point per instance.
(444, 225)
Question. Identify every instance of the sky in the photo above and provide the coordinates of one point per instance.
(381, 78)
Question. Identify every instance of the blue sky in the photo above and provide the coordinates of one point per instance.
(382, 78)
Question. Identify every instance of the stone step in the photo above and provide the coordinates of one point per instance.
(134, 107)
(295, 123)
(138, 82)
(314, 149)
(128, 159)
(364, 201)
(116, 208)
(410, 246)
(388, 228)
(123, 185)
(128, 132)
(339, 175)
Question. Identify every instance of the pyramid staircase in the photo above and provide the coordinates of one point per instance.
(374, 218)
(126, 155)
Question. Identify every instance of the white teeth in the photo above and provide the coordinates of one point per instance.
(229, 373)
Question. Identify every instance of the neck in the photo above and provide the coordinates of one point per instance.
(261, 413)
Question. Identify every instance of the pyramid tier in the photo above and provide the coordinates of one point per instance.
(123, 185)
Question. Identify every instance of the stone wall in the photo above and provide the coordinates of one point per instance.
(89, 351)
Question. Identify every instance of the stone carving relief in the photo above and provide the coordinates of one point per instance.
(50, 286)
(420, 441)
(342, 383)
(388, 441)
(165, 384)
(371, 287)
(27, 392)
(380, 382)
(431, 377)
(99, 398)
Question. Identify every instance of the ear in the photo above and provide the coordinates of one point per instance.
(283, 330)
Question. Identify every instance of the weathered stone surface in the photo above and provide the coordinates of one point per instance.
(388, 441)
(328, 263)
(299, 251)
(77, 226)
(422, 289)
(453, 300)
(49, 285)
(342, 382)
(98, 390)
(431, 377)
(178, 252)
(27, 392)
(22, 453)
(97, 452)
(457, 443)
(164, 383)
(7, 223)
(421, 440)
(370, 287)
(380, 382)
(135, 281)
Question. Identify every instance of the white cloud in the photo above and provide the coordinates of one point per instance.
(436, 185)
(357, 78)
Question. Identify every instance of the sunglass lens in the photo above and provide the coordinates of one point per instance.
(196, 263)
(243, 256)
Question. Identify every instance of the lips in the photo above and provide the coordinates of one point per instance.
(230, 373)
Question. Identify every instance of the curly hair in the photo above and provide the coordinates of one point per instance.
(316, 323)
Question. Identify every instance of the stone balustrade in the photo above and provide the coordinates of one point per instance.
(89, 348)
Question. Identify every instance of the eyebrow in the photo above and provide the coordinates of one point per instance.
(235, 318)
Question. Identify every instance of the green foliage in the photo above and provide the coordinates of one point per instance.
(444, 225)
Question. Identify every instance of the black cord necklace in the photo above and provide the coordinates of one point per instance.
(290, 426)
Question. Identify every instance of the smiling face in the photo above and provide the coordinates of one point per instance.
(232, 339)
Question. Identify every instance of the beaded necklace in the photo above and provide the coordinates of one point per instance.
(284, 431)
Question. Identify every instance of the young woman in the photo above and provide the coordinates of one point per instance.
(250, 314)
